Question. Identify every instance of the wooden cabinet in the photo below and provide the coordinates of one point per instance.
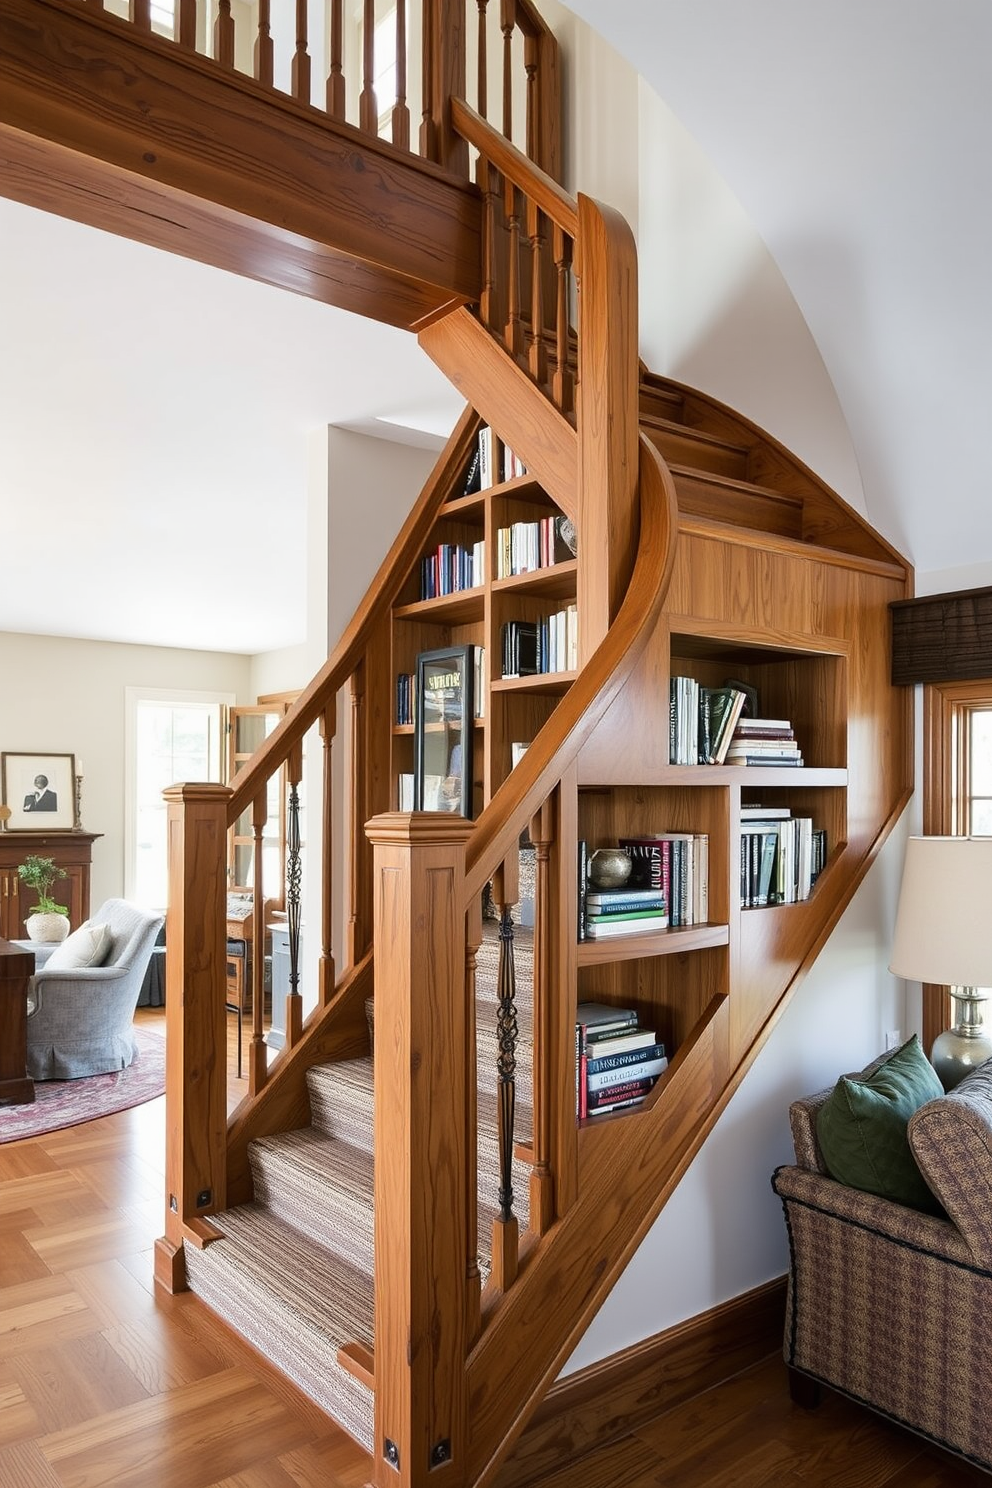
(70, 850)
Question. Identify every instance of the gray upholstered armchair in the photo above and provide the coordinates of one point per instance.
(80, 1020)
(886, 1303)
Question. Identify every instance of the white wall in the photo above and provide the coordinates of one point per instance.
(67, 697)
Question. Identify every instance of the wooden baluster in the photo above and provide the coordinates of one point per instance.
(257, 1053)
(141, 14)
(531, 114)
(300, 82)
(359, 921)
(196, 1033)
(487, 178)
(401, 112)
(335, 80)
(187, 24)
(328, 725)
(542, 1197)
(505, 1234)
(538, 350)
(473, 1277)
(482, 86)
(263, 45)
(443, 79)
(563, 381)
(508, 20)
(428, 129)
(513, 335)
(294, 879)
(224, 34)
(368, 111)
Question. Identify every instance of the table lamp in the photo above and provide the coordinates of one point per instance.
(944, 935)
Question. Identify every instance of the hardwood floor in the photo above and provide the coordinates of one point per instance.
(104, 1384)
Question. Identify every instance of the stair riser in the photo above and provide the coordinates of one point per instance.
(684, 449)
(340, 1220)
(341, 1103)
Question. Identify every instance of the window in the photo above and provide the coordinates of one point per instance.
(170, 737)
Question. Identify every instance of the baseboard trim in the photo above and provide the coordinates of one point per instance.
(609, 1399)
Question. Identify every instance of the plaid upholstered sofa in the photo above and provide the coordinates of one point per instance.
(890, 1305)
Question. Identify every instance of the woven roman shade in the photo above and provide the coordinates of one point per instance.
(942, 637)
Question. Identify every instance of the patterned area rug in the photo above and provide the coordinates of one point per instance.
(59, 1103)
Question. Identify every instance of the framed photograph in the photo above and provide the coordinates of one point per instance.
(442, 740)
(40, 791)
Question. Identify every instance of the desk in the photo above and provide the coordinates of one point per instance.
(16, 968)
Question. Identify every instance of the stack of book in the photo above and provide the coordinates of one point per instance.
(781, 856)
(452, 568)
(616, 1062)
(677, 864)
(525, 547)
(405, 689)
(764, 741)
(532, 647)
(616, 912)
(702, 721)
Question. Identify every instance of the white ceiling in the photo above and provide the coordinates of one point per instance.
(154, 413)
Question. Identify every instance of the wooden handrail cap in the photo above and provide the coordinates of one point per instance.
(419, 828)
(197, 790)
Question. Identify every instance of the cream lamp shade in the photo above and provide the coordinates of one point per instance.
(944, 922)
(944, 935)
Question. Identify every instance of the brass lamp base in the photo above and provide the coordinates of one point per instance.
(965, 1046)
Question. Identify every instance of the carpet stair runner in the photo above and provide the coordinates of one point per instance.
(294, 1273)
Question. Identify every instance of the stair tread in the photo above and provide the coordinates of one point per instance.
(296, 1302)
(732, 483)
(689, 431)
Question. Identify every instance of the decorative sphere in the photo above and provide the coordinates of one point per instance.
(609, 867)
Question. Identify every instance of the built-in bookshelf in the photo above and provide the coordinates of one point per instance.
(498, 573)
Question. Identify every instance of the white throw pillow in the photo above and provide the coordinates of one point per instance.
(86, 946)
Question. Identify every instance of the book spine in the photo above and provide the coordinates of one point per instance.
(486, 472)
(613, 1095)
(596, 904)
(632, 1059)
(583, 878)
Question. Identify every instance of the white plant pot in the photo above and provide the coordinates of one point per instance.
(48, 929)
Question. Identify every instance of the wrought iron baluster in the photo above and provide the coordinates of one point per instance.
(294, 879)
(506, 1061)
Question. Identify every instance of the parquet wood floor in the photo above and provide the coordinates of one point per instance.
(105, 1384)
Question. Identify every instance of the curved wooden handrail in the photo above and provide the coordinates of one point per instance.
(350, 649)
(552, 199)
(597, 685)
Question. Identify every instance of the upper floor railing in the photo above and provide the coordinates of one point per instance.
(388, 69)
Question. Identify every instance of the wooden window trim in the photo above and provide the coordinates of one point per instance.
(945, 764)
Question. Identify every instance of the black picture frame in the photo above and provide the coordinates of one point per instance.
(442, 739)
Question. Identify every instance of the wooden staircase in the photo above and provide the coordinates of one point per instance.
(415, 1298)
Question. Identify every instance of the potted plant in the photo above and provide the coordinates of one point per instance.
(47, 921)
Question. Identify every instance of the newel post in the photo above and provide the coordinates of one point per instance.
(420, 1149)
(196, 1031)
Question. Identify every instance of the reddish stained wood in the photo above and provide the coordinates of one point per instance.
(300, 79)
(224, 34)
(328, 728)
(263, 45)
(401, 112)
(368, 109)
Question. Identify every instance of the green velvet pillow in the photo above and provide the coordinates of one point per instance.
(861, 1127)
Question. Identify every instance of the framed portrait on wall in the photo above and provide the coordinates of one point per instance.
(40, 791)
(442, 741)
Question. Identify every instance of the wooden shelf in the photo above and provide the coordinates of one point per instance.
(661, 943)
(752, 776)
(461, 608)
(556, 581)
(551, 682)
